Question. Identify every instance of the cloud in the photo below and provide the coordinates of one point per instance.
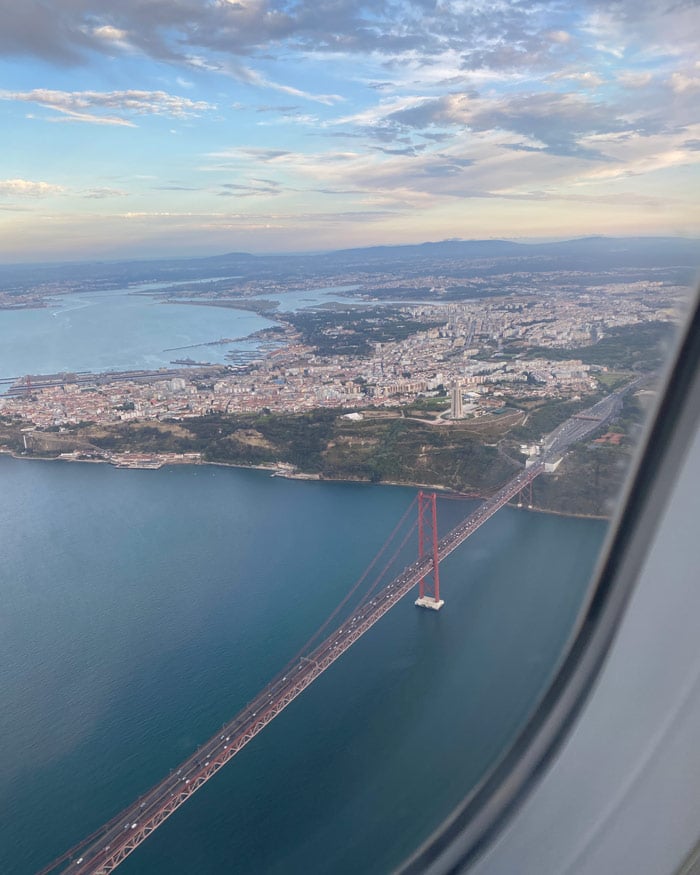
(232, 159)
(101, 193)
(175, 187)
(550, 121)
(112, 34)
(559, 36)
(495, 34)
(629, 198)
(284, 109)
(560, 121)
(28, 188)
(252, 188)
(661, 27)
(423, 46)
(634, 78)
(405, 150)
(176, 31)
(499, 35)
(586, 79)
(251, 77)
(90, 106)
(113, 38)
(642, 156)
(259, 220)
(499, 162)
(443, 99)
(681, 82)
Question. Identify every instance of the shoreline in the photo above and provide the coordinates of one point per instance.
(276, 471)
(564, 513)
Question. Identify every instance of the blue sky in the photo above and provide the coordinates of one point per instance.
(146, 128)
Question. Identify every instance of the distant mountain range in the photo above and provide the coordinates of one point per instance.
(470, 249)
(587, 254)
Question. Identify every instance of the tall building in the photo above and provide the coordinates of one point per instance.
(456, 411)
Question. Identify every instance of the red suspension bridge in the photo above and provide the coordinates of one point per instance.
(102, 851)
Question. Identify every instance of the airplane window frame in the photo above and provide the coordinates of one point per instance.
(491, 804)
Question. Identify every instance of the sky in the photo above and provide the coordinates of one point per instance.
(145, 128)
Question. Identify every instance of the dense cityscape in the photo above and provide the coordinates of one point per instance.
(481, 348)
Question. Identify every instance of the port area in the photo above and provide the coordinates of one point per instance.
(429, 602)
(152, 460)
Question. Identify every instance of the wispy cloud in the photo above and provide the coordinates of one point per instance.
(101, 193)
(251, 188)
(247, 74)
(283, 109)
(237, 157)
(96, 107)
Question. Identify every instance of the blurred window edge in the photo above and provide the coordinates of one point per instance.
(669, 431)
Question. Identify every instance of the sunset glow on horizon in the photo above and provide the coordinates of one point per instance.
(144, 129)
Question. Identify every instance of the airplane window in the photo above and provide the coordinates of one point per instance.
(329, 336)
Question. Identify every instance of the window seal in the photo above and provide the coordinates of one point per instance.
(478, 819)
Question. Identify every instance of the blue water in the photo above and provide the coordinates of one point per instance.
(142, 609)
(115, 331)
(290, 302)
(105, 331)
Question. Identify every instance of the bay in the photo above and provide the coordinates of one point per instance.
(117, 331)
(123, 331)
(139, 610)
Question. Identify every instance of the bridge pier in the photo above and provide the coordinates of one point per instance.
(427, 519)
(428, 601)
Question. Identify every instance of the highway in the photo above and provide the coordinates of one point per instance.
(582, 424)
(102, 852)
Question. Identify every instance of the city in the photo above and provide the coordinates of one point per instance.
(331, 335)
(483, 348)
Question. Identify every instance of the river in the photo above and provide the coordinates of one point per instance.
(123, 331)
(142, 609)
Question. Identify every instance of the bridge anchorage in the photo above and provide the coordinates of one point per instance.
(428, 589)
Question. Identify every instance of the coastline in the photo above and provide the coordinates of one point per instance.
(274, 471)
(564, 513)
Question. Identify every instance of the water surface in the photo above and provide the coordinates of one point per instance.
(116, 331)
(142, 609)
(123, 331)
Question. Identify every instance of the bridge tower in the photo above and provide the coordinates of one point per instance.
(428, 542)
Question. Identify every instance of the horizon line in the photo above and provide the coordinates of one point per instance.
(311, 253)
